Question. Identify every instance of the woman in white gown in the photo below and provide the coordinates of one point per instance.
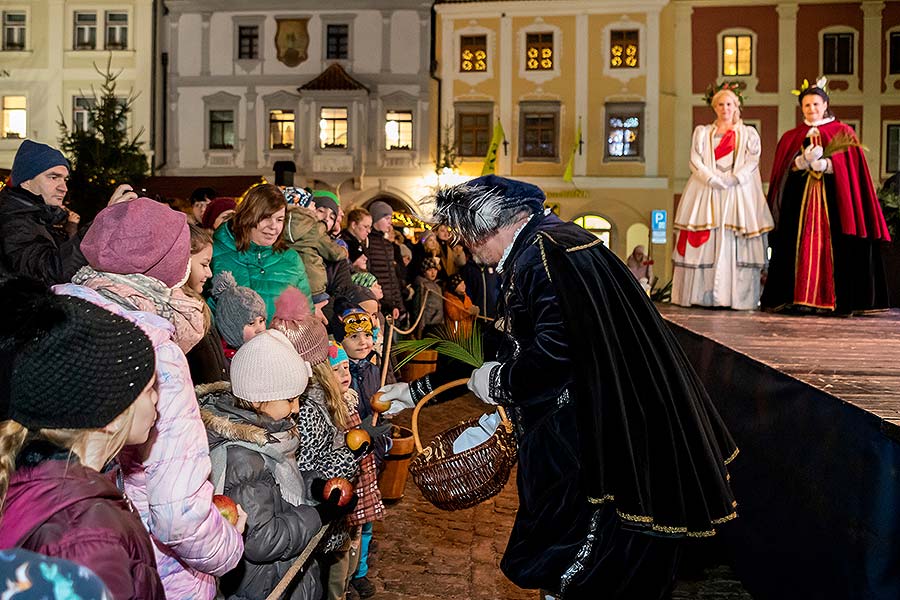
(722, 219)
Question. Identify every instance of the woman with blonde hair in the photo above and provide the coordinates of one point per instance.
(722, 219)
(81, 385)
(252, 247)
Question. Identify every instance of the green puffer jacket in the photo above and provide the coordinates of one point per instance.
(259, 268)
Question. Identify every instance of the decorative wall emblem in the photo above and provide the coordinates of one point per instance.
(292, 41)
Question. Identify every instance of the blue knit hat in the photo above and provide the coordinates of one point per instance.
(336, 354)
(32, 159)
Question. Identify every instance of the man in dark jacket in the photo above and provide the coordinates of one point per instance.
(382, 264)
(39, 237)
(621, 453)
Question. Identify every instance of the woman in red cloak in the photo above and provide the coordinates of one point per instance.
(828, 222)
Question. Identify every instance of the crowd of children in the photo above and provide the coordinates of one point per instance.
(135, 393)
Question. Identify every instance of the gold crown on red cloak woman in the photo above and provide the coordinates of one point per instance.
(735, 87)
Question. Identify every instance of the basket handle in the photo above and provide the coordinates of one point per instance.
(441, 388)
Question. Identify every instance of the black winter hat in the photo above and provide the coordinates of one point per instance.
(73, 364)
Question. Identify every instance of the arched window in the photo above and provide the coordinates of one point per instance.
(597, 225)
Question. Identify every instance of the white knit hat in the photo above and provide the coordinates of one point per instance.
(268, 368)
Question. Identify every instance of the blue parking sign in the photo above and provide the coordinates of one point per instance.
(658, 222)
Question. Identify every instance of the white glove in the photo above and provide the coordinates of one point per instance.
(801, 163)
(400, 397)
(730, 180)
(480, 382)
(813, 153)
(716, 182)
(819, 165)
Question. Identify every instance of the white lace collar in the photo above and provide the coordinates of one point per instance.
(818, 123)
(513, 242)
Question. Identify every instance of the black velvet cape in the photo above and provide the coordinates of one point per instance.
(650, 441)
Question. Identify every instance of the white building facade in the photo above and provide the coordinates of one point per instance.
(335, 88)
(48, 54)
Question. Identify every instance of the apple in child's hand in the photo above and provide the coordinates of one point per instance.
(227, 508)
(355, 438)
(339, 483)
(378, 403)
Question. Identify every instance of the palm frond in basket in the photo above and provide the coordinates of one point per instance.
(464, 347)
(841, 143)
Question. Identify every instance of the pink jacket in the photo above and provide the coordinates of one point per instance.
(167, 479)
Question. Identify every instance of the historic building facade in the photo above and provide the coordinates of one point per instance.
(48, 54)
(337, 90)
(545, 71)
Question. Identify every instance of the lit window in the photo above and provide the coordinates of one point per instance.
(14, 117)
(892, 160)
(337, 42)
(623, 49)
(597, 225)
(398, 130)
(85, 31)
(539, 132)
(248, 42)
(473, 53)
(221, 129)
(736, 55)
(116, 31)
(333, 128)
(13, 31)
(81, 113)
(281, 129)
(837, 54)
(624, 130)
(539, 52)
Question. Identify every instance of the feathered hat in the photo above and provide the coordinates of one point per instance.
(476, 209)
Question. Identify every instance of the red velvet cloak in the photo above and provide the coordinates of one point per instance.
(858, 208)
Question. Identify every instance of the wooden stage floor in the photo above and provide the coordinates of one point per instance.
(856, 359)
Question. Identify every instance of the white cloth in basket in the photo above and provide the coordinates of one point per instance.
(477, 434)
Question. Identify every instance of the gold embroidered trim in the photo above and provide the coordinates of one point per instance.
(725, 519)
(603, 500)
(544, 258)
(584, 246)
(733, 456)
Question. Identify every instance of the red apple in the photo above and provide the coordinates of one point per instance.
(355, 438)
(339, 483)
(378, 404)
(227, 508)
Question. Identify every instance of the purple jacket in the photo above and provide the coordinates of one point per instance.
(66, 510)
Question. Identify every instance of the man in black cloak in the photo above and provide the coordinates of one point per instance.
(621, 453)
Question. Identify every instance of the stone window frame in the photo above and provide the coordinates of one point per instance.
(539, 106)
(282, 100)
(750, 81)
(347, 19)
(852, 79)
(542, 76)
(238, 21)
(481, 108)
(221, 101)
(473, 78)
(644, 57)
(18, 10)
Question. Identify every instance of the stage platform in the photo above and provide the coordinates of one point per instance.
(814, 405)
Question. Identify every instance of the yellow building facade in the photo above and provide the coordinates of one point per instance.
(546, 70)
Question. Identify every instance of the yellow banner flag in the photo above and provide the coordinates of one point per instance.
(570, 166)
(490, 160)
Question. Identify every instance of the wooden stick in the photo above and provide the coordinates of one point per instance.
(297, 565)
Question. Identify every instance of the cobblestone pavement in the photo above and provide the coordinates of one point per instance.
(424, 553)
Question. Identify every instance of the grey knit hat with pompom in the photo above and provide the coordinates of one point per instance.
(236, 306)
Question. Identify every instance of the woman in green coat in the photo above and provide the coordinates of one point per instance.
(251, 246)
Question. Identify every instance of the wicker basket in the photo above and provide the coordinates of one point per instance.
(457, 481)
